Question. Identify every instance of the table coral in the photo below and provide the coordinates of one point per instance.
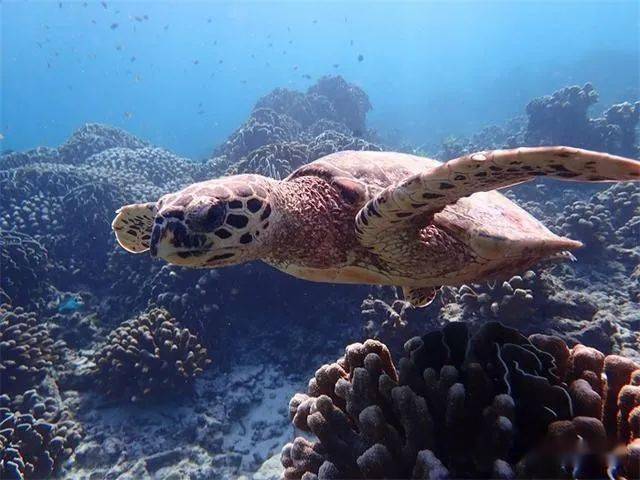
(458, 405)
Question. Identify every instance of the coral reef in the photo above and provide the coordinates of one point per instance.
(36, 436)
(94, 138)
(561, 118)
(605, 236)
(25, 264)
(59, 259)
(489, 405)
(276, 160)
(148, 356)
(26, 350)
(350, 103)
(393, 320)
(287, 129)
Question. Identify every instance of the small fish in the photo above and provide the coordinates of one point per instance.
(133, 59)
(166, 27)
(308, 77)
(137, 18)
(114, 26)
(104, 4)
(93, 21)
(59, 4)
(360, 58)
(84, 4)
(146, 17)
(119, 48)
(336, 65)
(196, 62)
(220, 62)
(128, 114)
(209, 20)
(351, 42)
(244, 82)
(314, 21)
(1, 136)
(295, 68)
(137, 78)
(200, 112)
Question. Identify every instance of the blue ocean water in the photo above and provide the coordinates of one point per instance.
(185, 74)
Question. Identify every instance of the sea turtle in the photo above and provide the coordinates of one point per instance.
(370, 217)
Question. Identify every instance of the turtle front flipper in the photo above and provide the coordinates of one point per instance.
(437, 187)
(133, 225)
(419, 297)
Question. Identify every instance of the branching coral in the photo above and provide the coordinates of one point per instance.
(392, 323)
(149, 355)
(36, 436)
(26, 350)
(525, 300)
(605, 235)
(490, 405)
(513, 299)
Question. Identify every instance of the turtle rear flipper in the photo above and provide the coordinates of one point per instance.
(437, 187)
(133, 225)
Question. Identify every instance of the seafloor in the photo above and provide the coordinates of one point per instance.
(117, 366)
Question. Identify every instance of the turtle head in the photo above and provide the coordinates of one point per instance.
(209, 224)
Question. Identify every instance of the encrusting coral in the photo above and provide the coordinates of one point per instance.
(149, 355)
(36, 436)
(494, 404)
(27, 351)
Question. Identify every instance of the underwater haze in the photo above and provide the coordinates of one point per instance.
(159, 159)
(185, 74)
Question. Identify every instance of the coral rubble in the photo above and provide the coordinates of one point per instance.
(149, 355)
(494, 404)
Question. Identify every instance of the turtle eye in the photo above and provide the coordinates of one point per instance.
(206, 218)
